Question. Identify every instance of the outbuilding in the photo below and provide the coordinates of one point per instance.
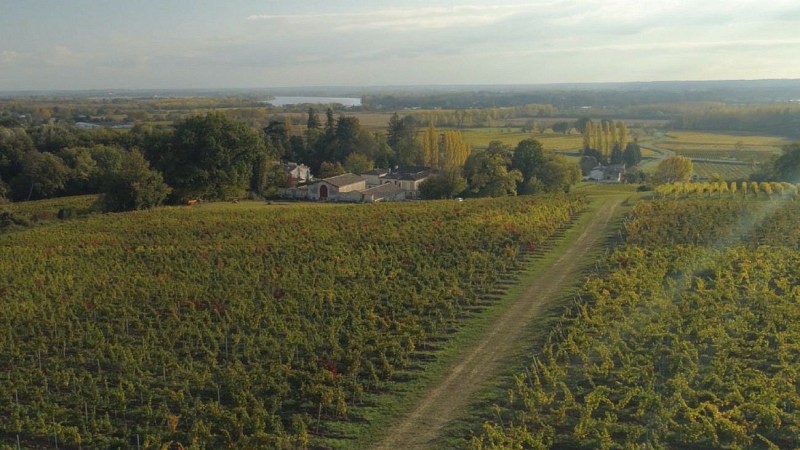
(336, 188)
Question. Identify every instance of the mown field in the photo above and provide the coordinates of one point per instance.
(686, 336)
(240, 325)
(738, 147)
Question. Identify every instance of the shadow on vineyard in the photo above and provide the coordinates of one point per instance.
(684, 337)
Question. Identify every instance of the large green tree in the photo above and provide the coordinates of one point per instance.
(82, 169)
(540, 172)
(134, 185)
(14, 145)
(210, 157)
(673, 169)
(277, 134)
(787, 166)
(488, 173)
(558, 174)
(43, 174)
(632, 154)
(340, 139)
(402, 138)
(446, 184)
(528, 159)
(358, 163)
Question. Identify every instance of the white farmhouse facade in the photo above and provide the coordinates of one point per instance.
(607, 174)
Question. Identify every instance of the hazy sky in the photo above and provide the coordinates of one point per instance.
(85, 44)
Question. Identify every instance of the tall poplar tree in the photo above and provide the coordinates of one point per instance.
(430, 146)
(313, 122)
(623, 136)
(588, 131)
(456, 150)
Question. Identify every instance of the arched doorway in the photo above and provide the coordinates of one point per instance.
(323, 192)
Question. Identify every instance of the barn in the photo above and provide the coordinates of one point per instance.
(338, 188)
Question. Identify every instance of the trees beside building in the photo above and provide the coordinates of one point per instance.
(606, 139)
(214, 157)
(210, 157)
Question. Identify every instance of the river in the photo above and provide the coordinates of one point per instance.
(345, 101)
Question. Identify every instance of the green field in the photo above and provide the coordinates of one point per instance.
(47, 210)
(737, 147)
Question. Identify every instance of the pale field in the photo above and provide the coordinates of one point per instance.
(480, 138)
(742, 147)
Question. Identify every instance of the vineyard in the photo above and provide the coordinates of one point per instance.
(705, 170)
(239, 326)
(719, 189)
(686, 337)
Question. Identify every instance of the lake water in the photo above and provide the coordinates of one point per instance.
(283, 101)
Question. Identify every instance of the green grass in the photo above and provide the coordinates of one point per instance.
(47, 210)
(599, 189)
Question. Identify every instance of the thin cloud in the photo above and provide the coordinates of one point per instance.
(396, 19)
(60, 55)
(7, 57)
(666, 46)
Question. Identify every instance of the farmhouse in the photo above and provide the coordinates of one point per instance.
(373, 186)
(339, 188)
(607, 174)
(374, 176)
(297, 173)
(408, 179)
(386, 193)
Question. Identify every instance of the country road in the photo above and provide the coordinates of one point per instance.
(447, 399)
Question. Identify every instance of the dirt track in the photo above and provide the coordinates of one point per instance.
(447, 399)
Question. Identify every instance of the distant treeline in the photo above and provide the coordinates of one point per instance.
(776, 119)
(598, 97)
(559, 99)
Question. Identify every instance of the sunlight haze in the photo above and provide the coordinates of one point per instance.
(88, 44)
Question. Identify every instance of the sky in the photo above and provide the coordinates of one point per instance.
(171, 44)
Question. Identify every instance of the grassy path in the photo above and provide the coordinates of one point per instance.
(446, 400)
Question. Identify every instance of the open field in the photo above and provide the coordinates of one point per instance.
(739, 147)
(480, 137)
(708, 170)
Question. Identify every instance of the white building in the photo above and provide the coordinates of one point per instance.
(607, 174)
